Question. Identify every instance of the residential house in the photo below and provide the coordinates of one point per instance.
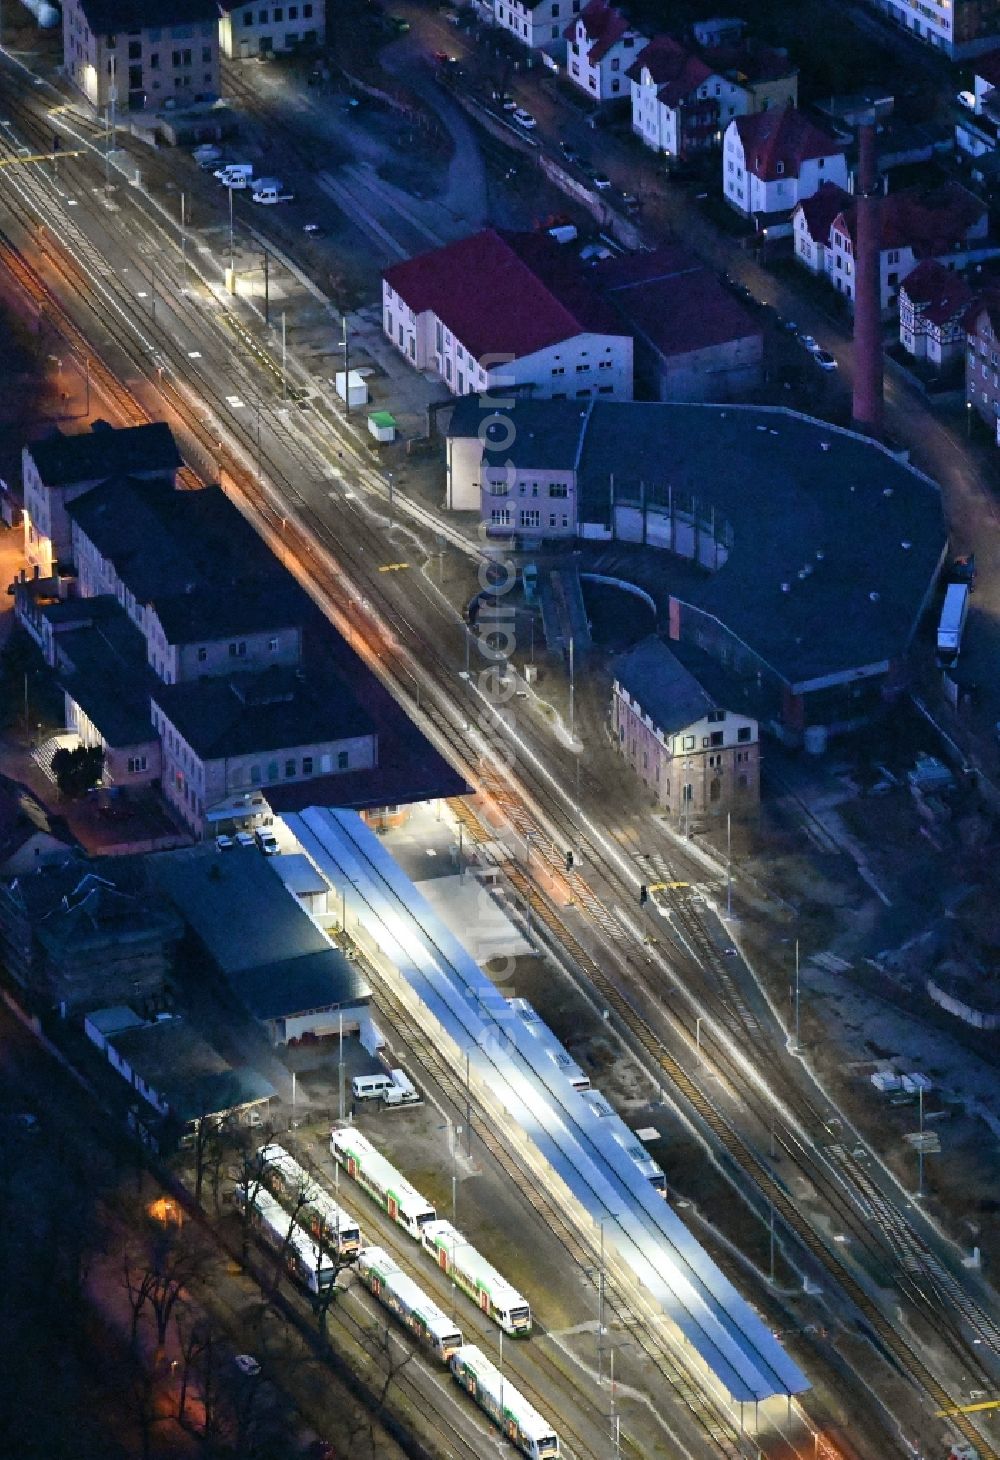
(682, 99)
(946, 223)
(695, 758)
(29, 836)
(693, 340)
(601, 46)
(982, 360)
(812, 222)
(959, 30)
(509, 310)
(775, 159)
(118, 54)
(59, 468)
(933, 306)
(76, 933)
(540, 26)
(807, 600)
(719, 31)
(676, 99)
(261, 28)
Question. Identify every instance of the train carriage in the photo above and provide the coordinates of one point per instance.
(505, 1405)
(307, 1262)
(480, 1281)
(325, 1221)
(400, 1294)
(370, 1169)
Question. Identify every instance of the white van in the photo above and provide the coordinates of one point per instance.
(402, 1090)
(370, 1087)
(270, 191)
(237, 175)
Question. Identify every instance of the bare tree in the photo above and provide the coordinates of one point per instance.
(393, 1357)
(194, 1337)
(328, 1246)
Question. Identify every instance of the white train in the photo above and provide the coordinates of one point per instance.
(328, 1223)
(628, 1140)
(400, 1294)
(380, 1179)
(307, 1262)
(506, 1407)
(456, 1256)
(564, 1061)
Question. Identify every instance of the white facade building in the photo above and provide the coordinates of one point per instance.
(601, 46)
(774, 160)
(541, 27)
(553, 334)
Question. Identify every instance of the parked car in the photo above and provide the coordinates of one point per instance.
(825, 360)
(601, 181)
(223, 842)
(267, 841)
(523, 119)
(808, 343)
(315, 230)
(244, 839)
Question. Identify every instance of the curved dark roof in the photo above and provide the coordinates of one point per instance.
(834, 543)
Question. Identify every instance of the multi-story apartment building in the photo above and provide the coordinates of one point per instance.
(510, 310)
(262, 28)
(982, 360)
(601, 46)
(695, 758)
(959, 28)
(119, 55)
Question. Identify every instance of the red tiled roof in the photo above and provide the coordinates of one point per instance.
(782, 136)
(930, 221)
(940, 293)
(504, 293)
(671, 299)
(604, 26)
(822, 208)
(675, 71)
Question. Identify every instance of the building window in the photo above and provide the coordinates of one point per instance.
(741, 783)
(717, 737)
(273, 770)
(238, 650)
(500, 517)
(307, 765)
(272, 646)
(135, 50)
(255, 775)
(289, 769)
(136, 764)
(531, 517)
(715, 717)
(342, 760)
(744, 733)
(307, 11)
(688, 742)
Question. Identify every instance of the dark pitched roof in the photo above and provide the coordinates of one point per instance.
(164, 542)
(605, 26)
(273, 710)
(174, 1060)
(253, 607)
(106, 17)
(274, 958)
(941, 294)
(560, 422)
(537, 296)
(673, 301)
(664, 690)
(777, 142)
(78, 905)
(22, 817)
(930, 221)
(102, 453)
(821, 209)
(103, 666)
(749, 62)
(675, 72)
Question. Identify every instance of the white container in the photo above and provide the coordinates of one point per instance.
(352, 389)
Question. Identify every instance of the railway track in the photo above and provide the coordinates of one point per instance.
(445, 725)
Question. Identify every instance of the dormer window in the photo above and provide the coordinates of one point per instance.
(780, 168)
